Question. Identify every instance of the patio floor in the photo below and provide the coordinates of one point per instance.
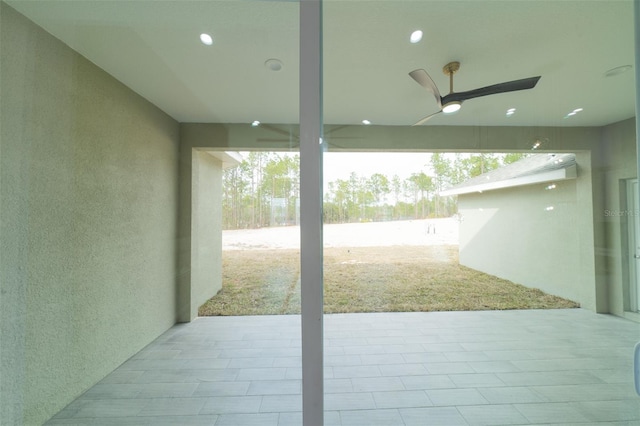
(440, 368)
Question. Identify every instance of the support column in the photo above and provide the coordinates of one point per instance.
(311, 211)
(636, 20)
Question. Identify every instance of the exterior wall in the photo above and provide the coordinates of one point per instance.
(241, 137)
(593, 284)
(510, 233)
(206, 229)
(618, 164)
(89, 174)
(200, 223)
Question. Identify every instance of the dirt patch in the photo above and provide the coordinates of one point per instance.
(426, 232)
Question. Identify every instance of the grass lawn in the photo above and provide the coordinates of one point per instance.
(368, 279)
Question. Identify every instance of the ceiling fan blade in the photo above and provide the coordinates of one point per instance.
(426, 118)
(333, 129)
(424, 80)
(278, 130)
(510, 86)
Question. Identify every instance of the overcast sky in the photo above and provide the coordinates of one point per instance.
(339, 165)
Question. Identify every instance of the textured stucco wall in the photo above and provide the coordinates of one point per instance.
(206, 228)
(510, 233)
(618, 165)
(590, 235)
(200, 219)
(89, 211)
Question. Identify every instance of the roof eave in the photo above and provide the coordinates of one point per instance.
(569, 172)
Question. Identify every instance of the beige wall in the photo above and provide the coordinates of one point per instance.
(593, 291)
(200, 222)
(239, 137)
(89, 174)
(510, 233)
(206, 229)
(618, 165)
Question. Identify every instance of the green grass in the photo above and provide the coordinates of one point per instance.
(370, 279)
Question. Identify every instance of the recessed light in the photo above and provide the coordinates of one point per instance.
(366, 122)
(617, 70)
(415, 37)
(549, 208)
(255, 123)
(273, 64)
(510, 112)
(206, 39)
(574, 112)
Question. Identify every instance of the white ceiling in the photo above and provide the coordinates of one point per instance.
(154, 48)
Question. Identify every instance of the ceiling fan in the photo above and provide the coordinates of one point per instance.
(453, 101)
(291, 137)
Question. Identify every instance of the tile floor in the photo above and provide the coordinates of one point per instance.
(545, 367)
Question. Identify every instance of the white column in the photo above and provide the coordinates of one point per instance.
(636, 20)
(311, 211)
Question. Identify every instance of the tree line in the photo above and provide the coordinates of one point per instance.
(264, 190)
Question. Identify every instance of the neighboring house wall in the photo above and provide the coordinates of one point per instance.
(512, 233)
(89, 190)
(588, 261)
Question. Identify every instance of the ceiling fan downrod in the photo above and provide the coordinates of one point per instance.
(450, 69)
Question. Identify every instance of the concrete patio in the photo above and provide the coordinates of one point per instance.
(547, 367)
